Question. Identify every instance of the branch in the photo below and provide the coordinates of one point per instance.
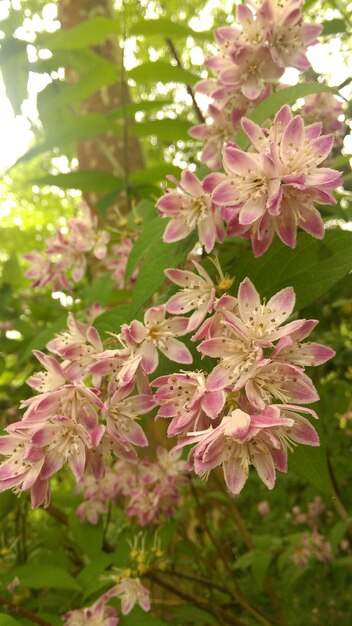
(18, 610)
(190, 91)
(215, 610)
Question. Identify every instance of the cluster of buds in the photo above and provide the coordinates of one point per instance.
(152, 489)
(312, 518)
(253, 54)
(270, 189)
(312, 545)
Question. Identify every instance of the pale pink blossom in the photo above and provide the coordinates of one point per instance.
(116, 263)
(22, 466)
(312, 545)
(77, 345)
(274, 189)
(243, 439)
(122, 411)
(249, 69)
(326, 108)
(184, 397)
(197, 295)
(219, 129)
(263, 508)
(140, 345)
(85, 235)
(131, 592)
(190, 208)
(99, 614)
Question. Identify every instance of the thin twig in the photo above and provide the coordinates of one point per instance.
(237, 595)
(192, 599)
(190, 91)
(19, 610)
(201, 581)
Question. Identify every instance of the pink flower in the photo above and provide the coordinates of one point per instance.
(191, 208)
(140, 345)
(250, 69)
(84, 235)
(197, 295)
(288, 36)
(99, 614)
(77, 345)
(244, 439)
(131, 592)
(238, 358)
(117, 262)
(279, 381)
(22, 468)
(216, 133)
(185, 398)
(121, 413)
(326, 108)
(274, 189)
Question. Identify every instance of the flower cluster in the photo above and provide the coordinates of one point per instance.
(326, 108)
(270, 189)
(248, 409)
(66, 255)
(268, 37)
(273, 189)
(312, 545)
(191, 208)
(152, 488)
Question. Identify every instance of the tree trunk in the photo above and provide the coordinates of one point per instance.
(118, 155)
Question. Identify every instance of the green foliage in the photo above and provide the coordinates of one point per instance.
(267, 109)
(312, 268)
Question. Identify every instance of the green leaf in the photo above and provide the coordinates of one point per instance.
(90, 576)
(112, 320)
(161, 27)
(138, 617)
(153, 229)
(74, 130)
(7, 620)
(43, 576)
(165, 130)
(312, 268)
(310, 464)
(101, 74)
(267, 109)
(90, 180)
(88, 33)
(12, 273)
(8, 502)
(331, 27)
(151, 275)
(159, 71)
(134, 107)
(191, 614)
(338, 532)
(260, 564)
(103, 290)
(88, 537)
(44, 336)
(154, 174)
(13, 62)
